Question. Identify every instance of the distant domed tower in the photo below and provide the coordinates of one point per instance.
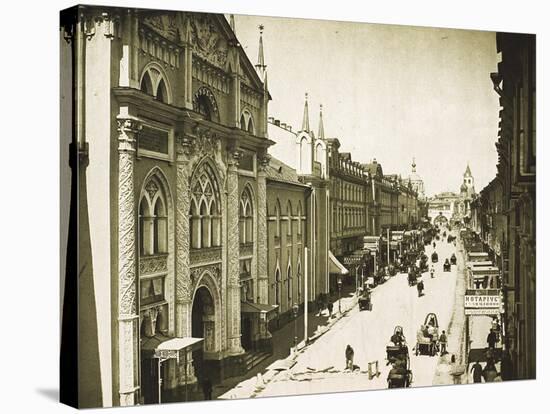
(468, 183)
(416, 181)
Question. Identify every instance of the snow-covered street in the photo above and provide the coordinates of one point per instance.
(320, 367)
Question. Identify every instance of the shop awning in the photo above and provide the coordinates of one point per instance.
(164, 347)
(258, 308)
(335, 266)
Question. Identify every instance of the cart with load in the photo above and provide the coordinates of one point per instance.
(397, 354)
(427, 338)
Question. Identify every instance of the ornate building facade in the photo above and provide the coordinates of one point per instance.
(349, 195)
(171, 143)
(504, 214)
(449, 207)
(298, 217)
(515, 83)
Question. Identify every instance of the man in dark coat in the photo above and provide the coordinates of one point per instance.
(207, 388)
(506, 366)
(492, 339)
(349, 357)
(330, 307)
(477, 371)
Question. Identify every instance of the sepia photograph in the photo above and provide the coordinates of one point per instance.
(259, 206)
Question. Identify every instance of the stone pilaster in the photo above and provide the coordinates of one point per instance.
(233, 287)
(262, 231)
(183, 280)
(127, 306)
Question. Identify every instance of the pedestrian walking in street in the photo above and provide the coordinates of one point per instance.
(420, 288)
(330, 307)
(490, 372)
(443, 342)
(491, 339)
(477, 372)
(349, 357)
(456, 370)
(207, 388)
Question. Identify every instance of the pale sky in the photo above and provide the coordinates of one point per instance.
(388, 92)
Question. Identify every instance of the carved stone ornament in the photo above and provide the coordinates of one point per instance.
(214, 270)
(151, 188)
(165, 24)
(234, 156)
(204, 141)
(205, 255)
(152, 264)
(208, 43)
(264, 162)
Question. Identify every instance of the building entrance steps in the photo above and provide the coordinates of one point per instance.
(253, 358)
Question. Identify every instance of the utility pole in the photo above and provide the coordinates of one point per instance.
(388, 236)
(306, 261)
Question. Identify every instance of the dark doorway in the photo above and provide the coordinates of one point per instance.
(202, 326)
(246, 333)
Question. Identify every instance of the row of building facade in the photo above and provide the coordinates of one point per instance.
(504, 213)
(194, 209)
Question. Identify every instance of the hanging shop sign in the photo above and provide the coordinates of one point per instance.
(482, 302)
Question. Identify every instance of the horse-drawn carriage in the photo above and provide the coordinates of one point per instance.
(397, 354)
(447, 266)
(435, 257)
(453, 259)
(427, 338)
(365, 300)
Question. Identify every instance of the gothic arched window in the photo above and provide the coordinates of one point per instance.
(299, 229)
(146, 84)
(246, 222)
(319, 154)
(153, 218)
(154, 83)
(277, 219)
(304, 154)
(205, 213)
(289, 281)
(289, 219)
(278, 287)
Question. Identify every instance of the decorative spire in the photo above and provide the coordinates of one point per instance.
(468, 172)
(321, 127)
(305, 120)
(232, 23)
(260, 66)
(414, 166)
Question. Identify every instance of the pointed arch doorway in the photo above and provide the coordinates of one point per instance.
(203, 325)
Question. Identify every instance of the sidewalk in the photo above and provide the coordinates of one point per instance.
(455, 331)
(251, 386)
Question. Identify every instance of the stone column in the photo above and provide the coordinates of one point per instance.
(183, 280)
(262, 231)
(127, 308)
(233, 287)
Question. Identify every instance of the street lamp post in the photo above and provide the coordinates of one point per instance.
(295, 313)
(339, 294)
